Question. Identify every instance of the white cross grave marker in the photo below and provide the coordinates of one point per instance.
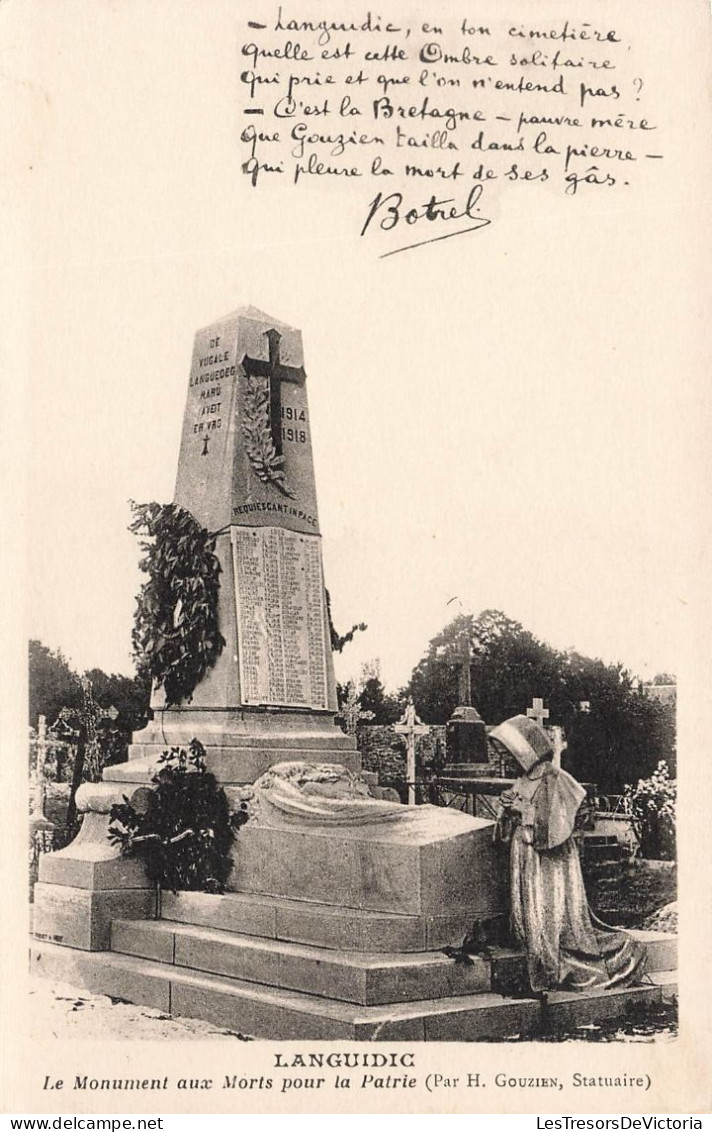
(537, 711)
(410, 726)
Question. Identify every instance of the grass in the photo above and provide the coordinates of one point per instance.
(630, 896)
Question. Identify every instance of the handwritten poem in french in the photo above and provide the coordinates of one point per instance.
(436, 120)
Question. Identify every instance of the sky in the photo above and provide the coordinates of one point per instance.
(516, 424)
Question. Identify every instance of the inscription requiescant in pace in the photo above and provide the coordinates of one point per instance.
(281, 617)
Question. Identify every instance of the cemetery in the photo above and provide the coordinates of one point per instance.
(269, 859)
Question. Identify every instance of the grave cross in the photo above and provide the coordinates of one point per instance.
(410, 726)
(275, 373)
(537, 711)
(463, 658)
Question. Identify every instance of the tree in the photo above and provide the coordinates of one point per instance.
(374, 698)
(615, 733)
(129, 696)
(90, 718)
(52, 684)
(664, 678)
(508, 666)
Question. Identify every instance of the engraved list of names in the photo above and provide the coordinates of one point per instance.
(280, 615)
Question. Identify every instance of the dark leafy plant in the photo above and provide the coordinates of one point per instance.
(182, 827)
(338, 642)
(176, 637)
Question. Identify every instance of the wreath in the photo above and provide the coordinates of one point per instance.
(176, 637)
(182, 827)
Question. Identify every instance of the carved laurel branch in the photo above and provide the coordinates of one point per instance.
(259, 445)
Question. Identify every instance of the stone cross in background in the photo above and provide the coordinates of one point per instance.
(556, 734)
(42, 830)
(410, 726)
(41, 754)
(37, 780)
(463, 659)
(537, 711)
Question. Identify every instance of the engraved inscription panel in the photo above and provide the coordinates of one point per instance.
(280, 616)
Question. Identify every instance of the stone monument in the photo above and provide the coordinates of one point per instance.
(246, 471)
(339, 903)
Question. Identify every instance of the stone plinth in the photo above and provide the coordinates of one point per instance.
(433, 861)
(240, 745)
(82, 888)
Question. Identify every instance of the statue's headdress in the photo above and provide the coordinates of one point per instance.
(525, 739)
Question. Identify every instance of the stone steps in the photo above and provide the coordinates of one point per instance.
(287, 1012)
(564, 1010)
(598, 854)
(324, 925)
(667, 981)
(276, 1013)
(348, 976)
(661, 948)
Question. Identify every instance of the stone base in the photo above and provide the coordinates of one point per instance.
(92, 865)
(165, 977)
(285, 969)
(78, 917)
(240, 744)
(369, 979)
(667, 981)
(262, 1011)
(564, 1010)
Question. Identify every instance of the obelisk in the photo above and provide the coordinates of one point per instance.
(246, 471)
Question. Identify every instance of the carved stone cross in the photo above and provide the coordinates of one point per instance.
(410, 726)
(276, 373)
(463, 658)
(537, 711)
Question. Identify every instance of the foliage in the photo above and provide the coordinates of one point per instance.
(176, 637)
(383, 707)
(89, 719)
(509, 665)
(365, 701)
(615, 732)
(350, 712)
(56, 692)
(653, 802)
(52, 684)
(624, 733)
(337, 641)
(185, 831)
(129, 696)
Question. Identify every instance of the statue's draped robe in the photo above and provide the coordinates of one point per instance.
(565, 945)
